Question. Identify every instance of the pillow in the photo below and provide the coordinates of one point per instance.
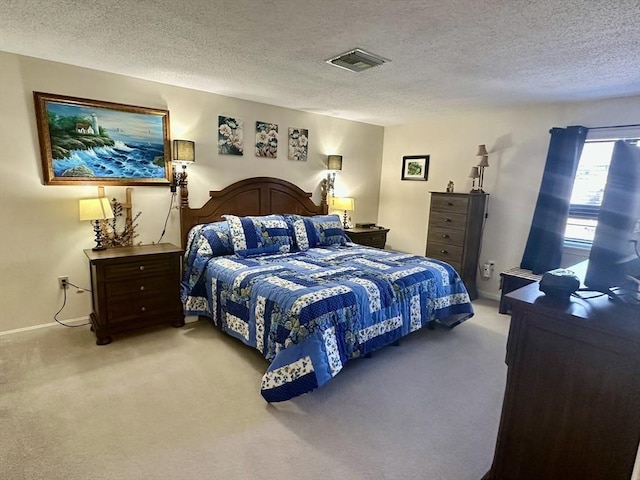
(204, 242)
(252, 236)
(219, 237)
(317, 231)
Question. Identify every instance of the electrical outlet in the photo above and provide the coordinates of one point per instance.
(487, 269)
(63, 282)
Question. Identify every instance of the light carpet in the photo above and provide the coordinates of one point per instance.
(185, 403)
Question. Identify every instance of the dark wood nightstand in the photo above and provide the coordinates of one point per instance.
(134, 287)
(372, 237)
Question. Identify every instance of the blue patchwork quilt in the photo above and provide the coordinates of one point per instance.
(310, 312)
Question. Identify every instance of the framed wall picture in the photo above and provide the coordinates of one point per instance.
(230, 136)
(415, 167)
(298, 144)
(94, 142)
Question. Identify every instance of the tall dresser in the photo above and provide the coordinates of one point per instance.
(455, 233)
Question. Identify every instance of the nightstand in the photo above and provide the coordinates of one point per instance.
(372, 237)
(134, 287)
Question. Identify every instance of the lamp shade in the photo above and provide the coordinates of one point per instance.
(334, 162)
(95, 209)
(484, 161)
(184, 151)
(474, 173)
(343, 203)
(482, 150)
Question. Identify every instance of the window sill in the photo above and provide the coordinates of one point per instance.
(577, 248)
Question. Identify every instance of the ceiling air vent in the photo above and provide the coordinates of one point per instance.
(357, 60)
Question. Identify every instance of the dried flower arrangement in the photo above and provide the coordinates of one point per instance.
(110, 234)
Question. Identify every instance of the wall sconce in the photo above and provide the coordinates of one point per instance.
(334, 163)
(96, 210)
(184, 152)
(473, 174)
(484, 163)
(343, 203)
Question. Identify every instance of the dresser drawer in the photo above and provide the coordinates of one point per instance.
(457, 221)
(445, 235)
(376, 240)
(375, 237)
(139, 285)
(450, 203)
(151, 266)
(447, 253)
(141, 309)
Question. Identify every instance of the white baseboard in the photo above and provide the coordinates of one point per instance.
(489, 295)
(73, 321)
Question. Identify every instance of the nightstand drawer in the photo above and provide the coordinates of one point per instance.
(450, 203)
(371, 239)
(141, 309)
(456, 221)
(446, 253)
(141, 266)
(445, 235)
(140, 285)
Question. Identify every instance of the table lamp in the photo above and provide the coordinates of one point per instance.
(96, 210)
(343, 203)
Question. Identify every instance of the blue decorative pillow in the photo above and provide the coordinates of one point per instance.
(218, 236)
(252, 236)
(317, 231)
(204, 242)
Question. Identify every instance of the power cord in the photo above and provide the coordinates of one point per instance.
(173, 196)
(64, 303)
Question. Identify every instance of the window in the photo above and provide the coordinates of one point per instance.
(588, 189)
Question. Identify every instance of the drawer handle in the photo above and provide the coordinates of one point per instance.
(444, 251)
(446, 219)
(444, 235)
(450, 204)
(142, 288)
(143, 309)
(141, 267)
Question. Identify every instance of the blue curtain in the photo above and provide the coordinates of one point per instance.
(546, 236)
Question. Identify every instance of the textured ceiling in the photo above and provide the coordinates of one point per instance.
(454, 54)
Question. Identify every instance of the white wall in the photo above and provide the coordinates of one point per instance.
(517, 141)
(40, 235)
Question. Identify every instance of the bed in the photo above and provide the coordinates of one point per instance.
(273, 269)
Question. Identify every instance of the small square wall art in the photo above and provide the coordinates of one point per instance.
(266, 140)
(230, 136)
(298, 143)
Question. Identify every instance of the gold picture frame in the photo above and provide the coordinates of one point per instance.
(86, 141)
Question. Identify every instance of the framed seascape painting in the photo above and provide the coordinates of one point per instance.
(90, 141)
(415, 167)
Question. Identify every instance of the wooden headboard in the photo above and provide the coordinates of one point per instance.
(252, 196)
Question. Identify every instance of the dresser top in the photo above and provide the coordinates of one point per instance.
(460, 193)
(366, 230)
(136, 250)
(593, 310)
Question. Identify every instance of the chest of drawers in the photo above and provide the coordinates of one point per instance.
(455, 233)
(134, 287)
